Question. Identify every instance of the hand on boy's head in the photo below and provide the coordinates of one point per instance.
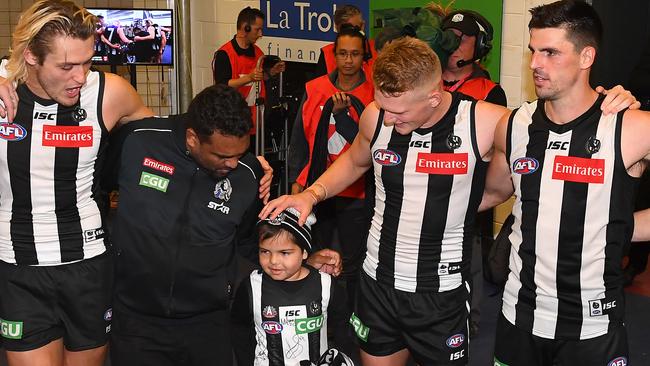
(326, 260)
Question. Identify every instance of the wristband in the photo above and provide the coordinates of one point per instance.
(313, 195)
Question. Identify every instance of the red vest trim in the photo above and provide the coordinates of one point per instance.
(318, 92)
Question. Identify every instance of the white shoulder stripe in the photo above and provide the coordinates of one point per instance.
(249, 168)
(151, 129)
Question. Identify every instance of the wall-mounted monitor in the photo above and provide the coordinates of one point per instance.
(134, 36)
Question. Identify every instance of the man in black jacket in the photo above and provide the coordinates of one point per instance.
(187, 201)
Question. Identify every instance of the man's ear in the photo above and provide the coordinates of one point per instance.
(30, 57)
(587, 57)
(435, 98)
(191, 139)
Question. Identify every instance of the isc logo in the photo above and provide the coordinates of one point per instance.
(292, 313)
(386, 157)
(609, 305)
(272, 327)
(455, 341)
(424, 144)
(12, 131)
(619, 361)
(457, 355)
(557, 145)
(44, 116)
(525, 165)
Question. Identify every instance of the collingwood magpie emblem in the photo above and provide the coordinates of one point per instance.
(593, 145)
(314, 306)
(278, 219)
(453, 141)
(223, 190)
(79, 114)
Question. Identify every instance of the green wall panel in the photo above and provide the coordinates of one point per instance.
(491, 9)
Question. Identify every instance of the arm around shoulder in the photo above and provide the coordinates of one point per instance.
(498, 184)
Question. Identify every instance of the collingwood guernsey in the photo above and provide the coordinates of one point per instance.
(573, 217)
(280, 323)
(429, 184)
(49, 161)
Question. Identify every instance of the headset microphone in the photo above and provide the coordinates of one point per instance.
(463, 63)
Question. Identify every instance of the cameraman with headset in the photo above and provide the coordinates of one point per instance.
(464, 74)
(238, 62)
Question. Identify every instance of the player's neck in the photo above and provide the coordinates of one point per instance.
(439, 111)
(571, 106)
(35, 87)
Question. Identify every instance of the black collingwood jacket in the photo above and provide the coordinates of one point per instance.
(177, 228)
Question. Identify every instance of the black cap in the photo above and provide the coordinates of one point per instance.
(464, 21)
(288, 219)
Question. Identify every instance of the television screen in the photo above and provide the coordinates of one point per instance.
(134, 36)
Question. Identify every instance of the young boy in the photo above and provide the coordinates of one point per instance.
(280, 314)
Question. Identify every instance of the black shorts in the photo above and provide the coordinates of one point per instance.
(202, 340)
(69, 301)
(516, 347)
(431, 325)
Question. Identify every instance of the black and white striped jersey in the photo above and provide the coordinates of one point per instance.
(48, 179)
(429, 184)
(573, 216)
(285, 322)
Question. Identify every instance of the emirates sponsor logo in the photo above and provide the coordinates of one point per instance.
(155, 164)
(442, 163)
(67, 136)
(580, 170)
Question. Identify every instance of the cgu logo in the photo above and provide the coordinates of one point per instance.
(44, 116)
(619, 361)
(11, 330)
(154, 181)
(455, 341)
(309, 325)
(386, 157)
(525, 165)
(271, 327)
(12, 131)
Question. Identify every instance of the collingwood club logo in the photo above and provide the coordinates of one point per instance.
(223, 190)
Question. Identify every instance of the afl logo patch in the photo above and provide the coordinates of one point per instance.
(455, 341)
(618, 361)
(12, 131)
(525, 165)
(108, 315)
(271, 327)
(593, 145)
(386, 157)
(453, 141)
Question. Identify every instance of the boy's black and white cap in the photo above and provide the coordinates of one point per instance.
(288, 219)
